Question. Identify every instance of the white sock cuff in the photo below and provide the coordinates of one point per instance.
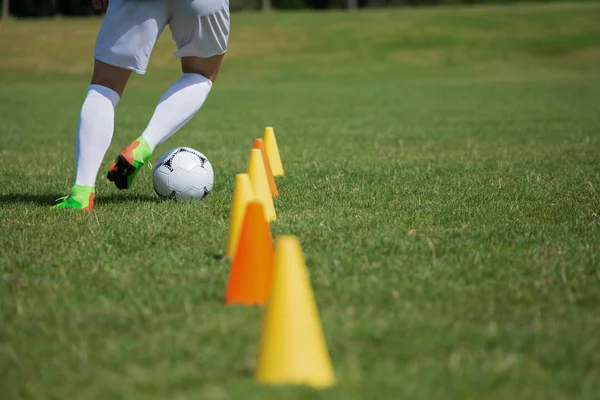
(196, 78)
(105, 92)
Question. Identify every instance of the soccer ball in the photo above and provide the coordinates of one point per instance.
(182, 174)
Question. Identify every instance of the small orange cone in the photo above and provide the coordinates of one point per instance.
(260, 145)
(292, 348)
(260, 185)
(273, 151)
(251, 275)
(242, 194)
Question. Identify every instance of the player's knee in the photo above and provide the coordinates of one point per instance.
(210, 74)
(207, 74)
(112, 77)
(207, 67)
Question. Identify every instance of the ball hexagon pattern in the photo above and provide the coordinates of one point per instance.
(182, 174)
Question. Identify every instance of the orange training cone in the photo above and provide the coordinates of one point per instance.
(260, 144)
(242, 194)
(273, 151)
(292, 347)
(260, 185)
(251, 275)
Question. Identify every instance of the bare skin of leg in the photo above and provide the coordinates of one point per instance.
(112, 77)
(116, 78)
(207, 67)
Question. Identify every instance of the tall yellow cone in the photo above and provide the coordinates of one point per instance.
(292, 347)
(273, 151)
(242, 194)
(260, 184)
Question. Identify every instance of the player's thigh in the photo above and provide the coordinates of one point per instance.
(129, 32)
(200, 29)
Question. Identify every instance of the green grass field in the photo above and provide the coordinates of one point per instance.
(442, 174)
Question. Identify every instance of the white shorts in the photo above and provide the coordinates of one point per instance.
(130, 29)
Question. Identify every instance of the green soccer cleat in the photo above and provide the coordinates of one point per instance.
(81, 198)
(127, 165)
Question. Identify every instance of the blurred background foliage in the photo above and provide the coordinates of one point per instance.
(49, 8)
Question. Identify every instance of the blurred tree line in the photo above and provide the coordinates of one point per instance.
(49, 8)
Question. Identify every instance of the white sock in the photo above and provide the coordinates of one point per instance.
(176, 107)
(95, 131)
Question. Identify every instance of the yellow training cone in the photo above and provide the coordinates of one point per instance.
(260, 184)
(242, 194)
(273, 151)
(292, 347)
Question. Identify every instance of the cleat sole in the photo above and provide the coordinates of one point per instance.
(120, 174)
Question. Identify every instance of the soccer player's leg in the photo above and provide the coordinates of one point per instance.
(124, 44)
(94, 132)
(200, 28)
(179, 103)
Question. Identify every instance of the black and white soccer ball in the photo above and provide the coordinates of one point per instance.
(182, 174)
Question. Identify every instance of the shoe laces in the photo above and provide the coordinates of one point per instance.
(61, 199)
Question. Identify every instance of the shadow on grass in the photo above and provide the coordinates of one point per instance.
(126, 198)
(22, 198)
(50, 199)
